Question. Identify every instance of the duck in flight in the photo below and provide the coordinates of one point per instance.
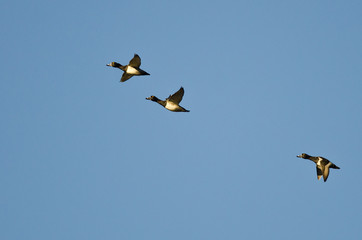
(322, 165)
(130, 70)
(172, 102)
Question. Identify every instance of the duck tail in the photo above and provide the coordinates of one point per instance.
(334, 166)
(144, 72)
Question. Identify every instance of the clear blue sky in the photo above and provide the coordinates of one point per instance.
(83, 156)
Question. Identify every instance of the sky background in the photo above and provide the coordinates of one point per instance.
(83, 156)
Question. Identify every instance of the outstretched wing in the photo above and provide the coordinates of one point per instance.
(135, 61)
(319, 173)
(325, 173)
(125, 77)
(177, 96)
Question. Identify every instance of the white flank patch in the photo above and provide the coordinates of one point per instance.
(132, 70)
(171, 106)
(319, 161)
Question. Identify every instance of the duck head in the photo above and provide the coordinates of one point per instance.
(303, 155)
(153, 98)
(114, 64)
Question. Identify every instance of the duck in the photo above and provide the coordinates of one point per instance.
(130, 70)
(323, 165)
(172, 102)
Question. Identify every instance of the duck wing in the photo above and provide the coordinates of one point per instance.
(125, 77)
(319, 172)
(326, 173)
(177, 96)
(135, 61)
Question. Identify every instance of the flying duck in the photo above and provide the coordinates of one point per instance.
(322, 165)
(130, 70)
(172, 102)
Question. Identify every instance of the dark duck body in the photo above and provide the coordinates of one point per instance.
(130, 70)
(322, 164)
(172, 102)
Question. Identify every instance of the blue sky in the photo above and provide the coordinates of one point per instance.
(84, 156)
